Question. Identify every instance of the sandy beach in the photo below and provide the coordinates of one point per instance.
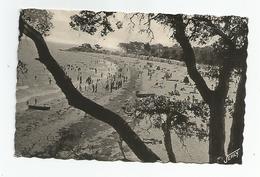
(65, 132)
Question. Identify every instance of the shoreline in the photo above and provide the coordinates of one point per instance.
(60, 106)
(74, 133)
(54, 92)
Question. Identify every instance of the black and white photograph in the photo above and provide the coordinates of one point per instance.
(132, 87)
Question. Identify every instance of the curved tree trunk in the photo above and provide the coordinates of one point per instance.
(77, 100)
(237, 128)
(190, 59)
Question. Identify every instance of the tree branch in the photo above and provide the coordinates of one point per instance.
(225, 37)
(190, 60)
(77, 100)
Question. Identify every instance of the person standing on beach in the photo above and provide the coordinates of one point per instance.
(193, 99)
(93, 86)
(107, 84)
(80, 88)
(188, 98)
(111, 85)
(80, 79)
(96, 86)
(175, 86)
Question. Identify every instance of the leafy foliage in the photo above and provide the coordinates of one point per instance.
(187, 119)
(202, 28)
(235, 28)
(227, 34)
(21, 68)
(223, 33)
(39, 19)
(90, 22)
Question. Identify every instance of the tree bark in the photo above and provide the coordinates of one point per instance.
(217, 116)
(77, 100)
(216, 129)
(237, 128)
(190, 60)
(167, 140)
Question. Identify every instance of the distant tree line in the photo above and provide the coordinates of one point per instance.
(85, 47)
(204, 55)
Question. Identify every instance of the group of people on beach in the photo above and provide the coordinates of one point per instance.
(115, 81)
(98, 79)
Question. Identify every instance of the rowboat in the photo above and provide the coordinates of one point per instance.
(44, 108)
(142, 95)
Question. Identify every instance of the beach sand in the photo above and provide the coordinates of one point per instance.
(65, 132)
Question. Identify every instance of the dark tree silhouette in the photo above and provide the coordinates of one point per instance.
(39, 20)
(233, 46)
(233, 43)
(77, 100)
(231, 33)
(173, 115)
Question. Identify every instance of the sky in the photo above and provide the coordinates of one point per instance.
(63, 33)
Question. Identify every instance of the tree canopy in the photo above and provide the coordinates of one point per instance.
(39, 19)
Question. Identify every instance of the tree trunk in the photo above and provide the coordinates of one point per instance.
(77, 100)
(216, 129)
(190, 59)
(215, 99)
(217, 116)
(237, 128)
(167, 140)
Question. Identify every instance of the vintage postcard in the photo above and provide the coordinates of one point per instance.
(139, 87)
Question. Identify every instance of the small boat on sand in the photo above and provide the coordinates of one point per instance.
(143, 95)
(44, 108)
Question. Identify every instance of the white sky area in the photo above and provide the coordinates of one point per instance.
(63, 33)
